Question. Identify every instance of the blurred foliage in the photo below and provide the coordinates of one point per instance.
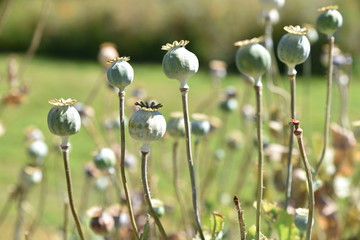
(140, 27)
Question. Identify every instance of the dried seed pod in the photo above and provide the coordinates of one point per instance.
(176, 125)
(105, 159)
(101, 222)
(200, 125)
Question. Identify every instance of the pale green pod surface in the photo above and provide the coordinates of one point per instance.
(293, 49)
(229, 105)
(64, 120)
(200, 125)
(147, 126)
(105, 159)
(253, 60)
(120, 74)
(176, 125)
(301, 222)
(179, 63)
(329, 22)
(37, 149)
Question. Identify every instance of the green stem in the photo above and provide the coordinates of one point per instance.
(184, 94)
(292, 78)
(328, 105)
(144, 156)
(65, 150)
(258, 90)
(177, 189)
(298, 132)
(122, 164)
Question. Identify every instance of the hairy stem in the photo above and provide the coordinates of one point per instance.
(240, 217)
(328, 106)
(298, 132)
(144, 157)
(184, 94)
(292, 78)
(65, 150)
(258, 90)
(122, 164)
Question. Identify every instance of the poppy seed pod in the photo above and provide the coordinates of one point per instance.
(158, 206)
(105, 159)
(294, 47)
(301, 218)
(120, 74)
(37, 149)
(200, 125)
(179, 63)
(229, 105)
(252, 59)
(147, 124)
(29, 176)
(176, 125)
(101, 222)
(63, 119)
(329, 20)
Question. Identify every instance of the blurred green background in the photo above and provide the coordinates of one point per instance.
(76, 28)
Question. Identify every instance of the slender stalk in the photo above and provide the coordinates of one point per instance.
(20, 216)
(5, 209)
(184, 94)
(144, 157)
(328, 105)
(258, 90)
(4, 13)
(298, 133)
(66, 219)
(65, 150)
(36, 39)
(292, 78)
(240, 217)
(122, 164)
(177, 189)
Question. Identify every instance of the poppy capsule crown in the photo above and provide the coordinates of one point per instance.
(329, 21)
(120, 74)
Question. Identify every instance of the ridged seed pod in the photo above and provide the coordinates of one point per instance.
(179, 63)
(63, 119)
(329, 21)
(176, 125)
(294, 47)
(105, 159)
(120, 74)
(252, 59)
(147, 124)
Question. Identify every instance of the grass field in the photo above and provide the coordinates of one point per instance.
(52, 78)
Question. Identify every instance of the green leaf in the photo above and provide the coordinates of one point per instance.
(285, 227)
(216, 226)
(146, 234)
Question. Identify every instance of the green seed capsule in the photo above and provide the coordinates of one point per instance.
(200, 125)
(29, 176)
(176, 125)
(147, 124)
(301, 219)
(294, 47)
(252, 59)
(229, 105)
(63, 119)
(179, 63)
(105, 159)
(120, 74)
(38, 149)
(329, 21)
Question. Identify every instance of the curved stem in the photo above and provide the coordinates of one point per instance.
(292, 78)
(122, 165)
(184, 93)
(177, 189)
(65, 150)
(144, 156)
(328, 105)
(258, 90)
(298, 132)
